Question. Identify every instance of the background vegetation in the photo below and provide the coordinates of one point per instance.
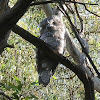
(18, 76)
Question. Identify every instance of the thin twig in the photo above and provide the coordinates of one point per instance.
(80, 2)
(90, 11)
(39, 3)
(80, 19)
(56, 1)
(69, 8)
(2, 93)
(72, 12)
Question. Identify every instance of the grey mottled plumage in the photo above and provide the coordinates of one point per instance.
(53, 33)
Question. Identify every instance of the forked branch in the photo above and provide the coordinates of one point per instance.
(77, 36)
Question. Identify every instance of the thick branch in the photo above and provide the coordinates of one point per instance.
(3, 41)
(3, 4)
(63, 60)
(42, 45)
(13, 15)
(89, 86)
(71, 48)
(47, 9)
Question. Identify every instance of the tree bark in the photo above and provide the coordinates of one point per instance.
(3, 10)
(47, 8)
(11, 17)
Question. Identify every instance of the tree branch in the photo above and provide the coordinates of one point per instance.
(76, 34)
(47, 9)
(3, 41)
(42, 45)
(80, 19)
(41, 3)
(2, 93)
(11, 17)
(90, 11)
(79, 2)
(56, 1)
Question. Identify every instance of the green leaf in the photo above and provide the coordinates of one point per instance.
(54, 77)
(34, 83)
(11, 86)
(20, 87)
(33, 96)
(8, 49)
(15, 94)
(28, 98)
(24, 78)
(17, 79)
(2, 85)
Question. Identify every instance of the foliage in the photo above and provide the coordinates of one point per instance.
(18, 76)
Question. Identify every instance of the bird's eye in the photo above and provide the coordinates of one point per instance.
(54, 23)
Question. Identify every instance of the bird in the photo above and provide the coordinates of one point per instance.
(53, 33)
